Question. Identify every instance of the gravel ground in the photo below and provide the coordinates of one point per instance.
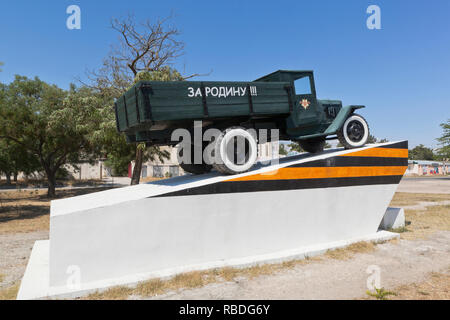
(405, 262)
(15, 250)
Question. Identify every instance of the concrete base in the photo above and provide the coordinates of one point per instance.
(393, 218)
(307, 203)
(35, 283)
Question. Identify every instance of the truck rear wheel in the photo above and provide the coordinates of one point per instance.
(192, 167)
(312, 146)
(354, 132)
(235, 151)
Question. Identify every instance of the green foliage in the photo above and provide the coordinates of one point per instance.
(1, 63)
(294, 146)
(282, 149)
(444, 141)
(164, 74)
(380, 294)
(371, 139)
(421, 152)
(54, 125)
(113, 144)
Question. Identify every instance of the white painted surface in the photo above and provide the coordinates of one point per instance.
(393, 218)
(153, 234)
(114, 235)
(116, 196)
(35, 283)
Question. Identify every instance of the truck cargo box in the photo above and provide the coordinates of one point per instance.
(148, 103)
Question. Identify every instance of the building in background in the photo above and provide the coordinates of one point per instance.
(424, 167)
(170, 167)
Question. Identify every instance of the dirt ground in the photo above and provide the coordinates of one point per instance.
(399, 264)
(435, 184)
(415, 267)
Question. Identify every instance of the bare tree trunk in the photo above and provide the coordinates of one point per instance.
(136, 176)
(15, 176)
(51, 177)
(8, 178)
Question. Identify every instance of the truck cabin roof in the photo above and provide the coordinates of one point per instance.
(286, 75)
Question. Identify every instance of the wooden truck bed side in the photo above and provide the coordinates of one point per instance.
(148, 102)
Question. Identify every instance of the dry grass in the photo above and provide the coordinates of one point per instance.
(198, 279)
(195, 279)
(9, 293)
(401, 199)
(28, 210)
(436, 287)
(2, 277)
(422, 223)
(349, 251)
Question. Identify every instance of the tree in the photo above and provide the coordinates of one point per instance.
(14, 159)
(1, 64)
(294, 146)
(444, 141)
(282, 149)
(421, 152)
(54, 125)
(144, 49)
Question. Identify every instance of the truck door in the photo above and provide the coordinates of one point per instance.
(305, 101)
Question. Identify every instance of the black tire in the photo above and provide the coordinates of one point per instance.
(354, 132)
(312, 146)
(192, 167)
(250, 157)
(196, 168)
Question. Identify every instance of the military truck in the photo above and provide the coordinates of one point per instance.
(150, 111)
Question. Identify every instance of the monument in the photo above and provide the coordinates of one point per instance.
(304, 205)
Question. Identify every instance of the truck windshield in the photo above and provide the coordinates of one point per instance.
(302, 86)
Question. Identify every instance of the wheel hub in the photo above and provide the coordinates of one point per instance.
(355, 131)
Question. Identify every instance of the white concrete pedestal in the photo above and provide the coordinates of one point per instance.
(303, 205)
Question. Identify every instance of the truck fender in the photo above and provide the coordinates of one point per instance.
(343, 114)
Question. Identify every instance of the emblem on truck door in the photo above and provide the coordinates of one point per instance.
(305, 103)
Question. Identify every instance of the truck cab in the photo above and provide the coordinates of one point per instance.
(309, 115)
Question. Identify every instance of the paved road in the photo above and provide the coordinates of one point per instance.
(425, 185)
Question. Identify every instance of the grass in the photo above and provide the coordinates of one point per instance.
(435, 287)
(2, 277)
(9, 293)
(401, 199)
(349, 251)
(194, 279)
(28, 210)
(399, 229)
(422, 223)
(380, 294)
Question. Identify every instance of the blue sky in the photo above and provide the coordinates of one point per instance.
(401, 72)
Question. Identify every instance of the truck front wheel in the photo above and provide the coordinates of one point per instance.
(354, 132)
(312, 146)
(235, 151)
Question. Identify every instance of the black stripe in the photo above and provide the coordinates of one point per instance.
(353, 162)
(279, 185)
(398, 145)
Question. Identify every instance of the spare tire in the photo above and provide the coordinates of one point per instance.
(235, 151)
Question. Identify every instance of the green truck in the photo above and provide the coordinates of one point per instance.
(286, 100)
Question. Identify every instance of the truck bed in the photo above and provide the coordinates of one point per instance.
(149, 102)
